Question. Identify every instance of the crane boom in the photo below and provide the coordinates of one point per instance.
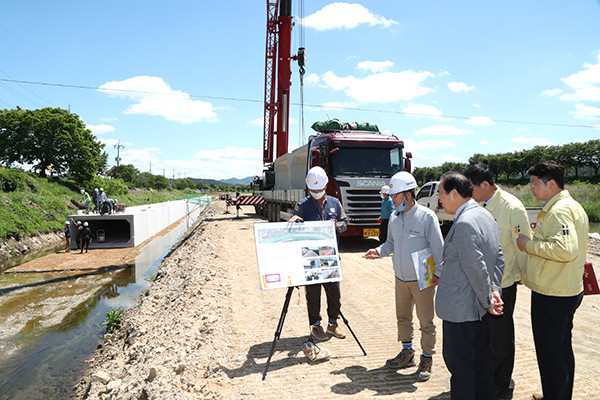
(277, 78)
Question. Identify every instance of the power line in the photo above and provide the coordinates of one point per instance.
(372, 110)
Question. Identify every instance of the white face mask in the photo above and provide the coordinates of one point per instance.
(318, 195)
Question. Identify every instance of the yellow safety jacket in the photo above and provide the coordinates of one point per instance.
(511, 216)
(557, 252)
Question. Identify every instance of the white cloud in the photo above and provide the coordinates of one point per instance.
(375, 66)
(113, 142)
(460, 87)
(586, 112)
(450, 158)
(383, 87)
(480, 121)
(484, 143)
(532, 140)
(312, 79)
(551, 92)
(109, 119)
(222, 163)
(476, 105)
(153, 96)
(586, 83)
(427, 145)
(335, 105)
(442, 130)
(257, 122)
(344, 16)
(100, 128)
(422, 110)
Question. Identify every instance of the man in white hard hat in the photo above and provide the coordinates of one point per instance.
(320, 207)
(85, 199)
(67, 237)
(387, 207)
(412, 228)
(95, 198)
(86, 237)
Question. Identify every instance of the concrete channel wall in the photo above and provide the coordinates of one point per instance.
(131, 227)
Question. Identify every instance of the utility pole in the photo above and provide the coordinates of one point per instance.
(150, 167)
(118, 146)
(163, 172)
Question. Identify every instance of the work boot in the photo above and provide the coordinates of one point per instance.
(424, 369)
(334, 330)
(404, 359)
(318, 333)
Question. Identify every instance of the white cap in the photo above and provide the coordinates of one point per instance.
(316, 178)
(401, 182)
(85, 223)
(67, 223)
(384, 189)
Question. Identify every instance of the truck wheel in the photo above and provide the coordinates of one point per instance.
(276, 215)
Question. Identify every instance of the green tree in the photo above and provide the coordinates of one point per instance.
(127, 172)
(50, 138)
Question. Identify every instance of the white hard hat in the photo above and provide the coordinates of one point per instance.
(316, 178)
(78, 222)
(401, 182)
(85, 223)
(101, 189)
(384, 189)
(67, 223)
(95, 189)
(82, 191)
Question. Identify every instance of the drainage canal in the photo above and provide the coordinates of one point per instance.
(50, 323)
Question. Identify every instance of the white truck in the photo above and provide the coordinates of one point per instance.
(428, 196)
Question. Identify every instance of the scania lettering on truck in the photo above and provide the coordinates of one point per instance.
(358, 160)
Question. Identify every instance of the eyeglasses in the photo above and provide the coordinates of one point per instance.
(533, 184)
(393, 196)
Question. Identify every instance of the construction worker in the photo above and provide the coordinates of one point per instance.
(412, 228)
(78, 235)
(67, 237)
(95, 198)
(86, 200)
(387, 207)
(320, 207)
(86, 237)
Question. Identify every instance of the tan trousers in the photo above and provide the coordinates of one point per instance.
(408, 295)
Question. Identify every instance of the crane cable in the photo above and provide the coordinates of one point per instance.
(302, 70)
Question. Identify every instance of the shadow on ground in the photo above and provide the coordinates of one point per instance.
(256, 358)
(382, 381)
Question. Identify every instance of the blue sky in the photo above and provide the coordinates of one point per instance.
(449, 78)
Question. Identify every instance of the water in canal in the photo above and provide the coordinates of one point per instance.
(50, 323)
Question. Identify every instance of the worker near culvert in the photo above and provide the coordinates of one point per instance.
(78, 235)
(86, 200)
(67, 237)
(96, 198)
(86, 237)
(320, 207)
(412, 228)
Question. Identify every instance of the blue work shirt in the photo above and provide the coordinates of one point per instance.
(387, 208)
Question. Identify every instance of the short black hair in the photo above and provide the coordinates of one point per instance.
(456, 180)
(547, 170)
(478, 173)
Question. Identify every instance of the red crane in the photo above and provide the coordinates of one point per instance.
(278, 78)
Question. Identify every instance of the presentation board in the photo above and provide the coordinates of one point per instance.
(296, 254)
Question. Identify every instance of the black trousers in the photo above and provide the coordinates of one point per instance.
(313, 301)
(468, 356)
(502, 335)
(85, 244)
(383, 227)
(552, 323)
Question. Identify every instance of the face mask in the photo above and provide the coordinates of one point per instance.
(402, 205)
(317, 195)
(382, 196)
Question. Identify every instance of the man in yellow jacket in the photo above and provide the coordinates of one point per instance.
(554, 273)
(511, 216)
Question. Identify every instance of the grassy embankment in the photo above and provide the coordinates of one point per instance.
(587, 194)
(30, 205)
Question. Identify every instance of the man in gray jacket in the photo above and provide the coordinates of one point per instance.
(411, 228)
(469, 289)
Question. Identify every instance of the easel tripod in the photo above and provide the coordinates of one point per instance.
(286, 304)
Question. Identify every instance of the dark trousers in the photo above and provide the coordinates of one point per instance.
(383, 230)
(313, 301)
(502, 335)
(85, 243)
(552, 323)
(468, 356)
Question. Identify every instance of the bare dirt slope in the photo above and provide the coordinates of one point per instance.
(205, 330)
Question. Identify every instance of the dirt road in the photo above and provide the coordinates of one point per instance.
(206, 328)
